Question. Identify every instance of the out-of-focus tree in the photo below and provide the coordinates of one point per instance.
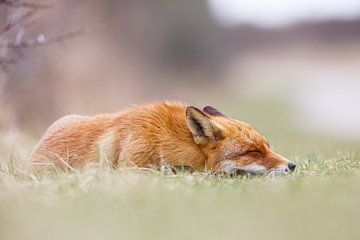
(17, 35)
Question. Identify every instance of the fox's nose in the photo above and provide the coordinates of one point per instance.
(291, 166)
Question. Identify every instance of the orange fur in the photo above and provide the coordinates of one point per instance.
(162, 133)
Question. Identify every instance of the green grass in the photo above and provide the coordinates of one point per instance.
(319, 201)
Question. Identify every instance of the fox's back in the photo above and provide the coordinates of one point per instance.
(141, 136)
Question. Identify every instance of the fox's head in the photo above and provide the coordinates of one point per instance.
(232, 146)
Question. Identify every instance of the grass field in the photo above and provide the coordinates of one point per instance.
(319, 201)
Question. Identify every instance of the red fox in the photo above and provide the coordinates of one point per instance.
(158, 134)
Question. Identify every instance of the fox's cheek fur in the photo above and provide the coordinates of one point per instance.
(273, 163)
(230, 167)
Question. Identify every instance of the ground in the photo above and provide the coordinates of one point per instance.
(319, 201)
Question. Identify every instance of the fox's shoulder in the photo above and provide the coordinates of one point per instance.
(157, 106)
(163, 108)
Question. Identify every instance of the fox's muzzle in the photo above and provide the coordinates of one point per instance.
(291, 166)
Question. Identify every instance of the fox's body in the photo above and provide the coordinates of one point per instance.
(162, 133)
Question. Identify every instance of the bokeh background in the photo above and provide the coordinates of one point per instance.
(290, 68)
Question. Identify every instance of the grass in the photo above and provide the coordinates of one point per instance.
(319, 201)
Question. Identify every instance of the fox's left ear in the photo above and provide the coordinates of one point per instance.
(202, 127)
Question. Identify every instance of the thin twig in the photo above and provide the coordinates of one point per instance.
(21, 4)
(20, 20)
(42, 40)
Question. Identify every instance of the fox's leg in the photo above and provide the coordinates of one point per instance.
(135, 152)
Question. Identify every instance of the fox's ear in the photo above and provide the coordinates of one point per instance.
(201, 126)
(212, 111)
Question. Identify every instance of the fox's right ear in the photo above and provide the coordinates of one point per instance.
(201, 126)
(212, 111)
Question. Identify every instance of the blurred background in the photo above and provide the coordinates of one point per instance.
(290, 68)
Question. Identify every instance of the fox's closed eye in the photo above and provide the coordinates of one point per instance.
(237, 155)
(254, 153)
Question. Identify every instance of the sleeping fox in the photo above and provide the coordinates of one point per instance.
(162, 133)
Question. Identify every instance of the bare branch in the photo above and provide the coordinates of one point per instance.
(21, 15)
(20, 20)
(21, 4)
(43, 40)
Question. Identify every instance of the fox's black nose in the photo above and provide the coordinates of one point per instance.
(291, 166)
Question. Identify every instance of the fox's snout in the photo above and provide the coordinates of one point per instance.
(255, 169)
(291, 166)
(284, 169)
